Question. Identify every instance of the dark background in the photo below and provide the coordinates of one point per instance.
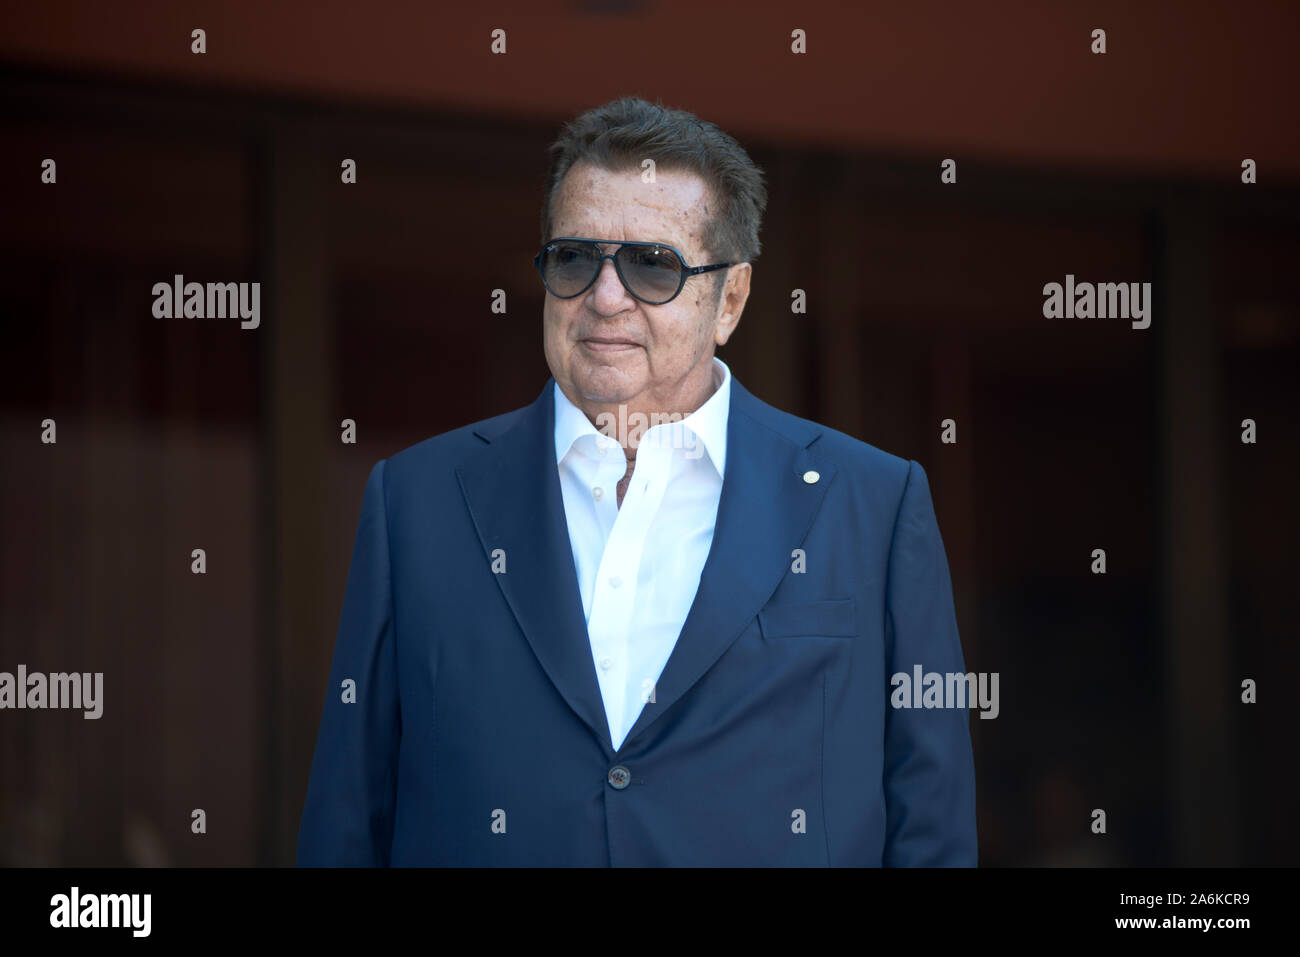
(1119, 692)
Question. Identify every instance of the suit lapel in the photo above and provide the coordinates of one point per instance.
(513, 492)
(764, 513)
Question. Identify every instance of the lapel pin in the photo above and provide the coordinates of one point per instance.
(811, 477)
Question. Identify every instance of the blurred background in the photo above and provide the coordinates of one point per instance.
(1119, 691)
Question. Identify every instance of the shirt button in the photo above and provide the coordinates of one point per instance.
(597, 493)
(615, 582)
(607, 662)
(619, 777)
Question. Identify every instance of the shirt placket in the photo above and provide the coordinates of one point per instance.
(613, 610)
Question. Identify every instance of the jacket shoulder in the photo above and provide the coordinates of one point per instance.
(445, 451)
(858, 458)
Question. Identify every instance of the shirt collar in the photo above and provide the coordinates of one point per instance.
(708, 422)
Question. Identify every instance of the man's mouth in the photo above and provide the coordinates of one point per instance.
(609, 344)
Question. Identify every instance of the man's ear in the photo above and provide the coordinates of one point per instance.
(735, 294)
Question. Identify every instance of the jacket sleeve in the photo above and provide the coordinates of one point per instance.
(929, 773)
(348, 815)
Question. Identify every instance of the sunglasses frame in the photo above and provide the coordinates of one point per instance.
(685, 273)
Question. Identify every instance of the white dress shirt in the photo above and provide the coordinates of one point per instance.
(639, 565)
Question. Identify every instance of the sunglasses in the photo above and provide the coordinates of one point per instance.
(651, 272)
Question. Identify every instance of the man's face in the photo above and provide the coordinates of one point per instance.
(605, 347)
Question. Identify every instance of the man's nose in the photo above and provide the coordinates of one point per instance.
(608, 288)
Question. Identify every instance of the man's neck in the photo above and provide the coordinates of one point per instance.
(629, 441)
(654, 410)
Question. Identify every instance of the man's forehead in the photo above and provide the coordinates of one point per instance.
(593, 201)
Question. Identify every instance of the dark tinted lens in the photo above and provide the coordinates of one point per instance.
(652, 272)
(568, 268)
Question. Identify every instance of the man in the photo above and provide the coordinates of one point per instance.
(647, 619)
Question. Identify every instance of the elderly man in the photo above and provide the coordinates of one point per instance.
(647, 619)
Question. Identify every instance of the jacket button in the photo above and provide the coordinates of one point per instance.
(619, 777)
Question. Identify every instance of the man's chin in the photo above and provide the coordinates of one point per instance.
(607, 386)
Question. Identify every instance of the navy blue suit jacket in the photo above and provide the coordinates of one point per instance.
(478, 736)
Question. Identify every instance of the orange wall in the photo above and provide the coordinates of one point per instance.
(1186, 88)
